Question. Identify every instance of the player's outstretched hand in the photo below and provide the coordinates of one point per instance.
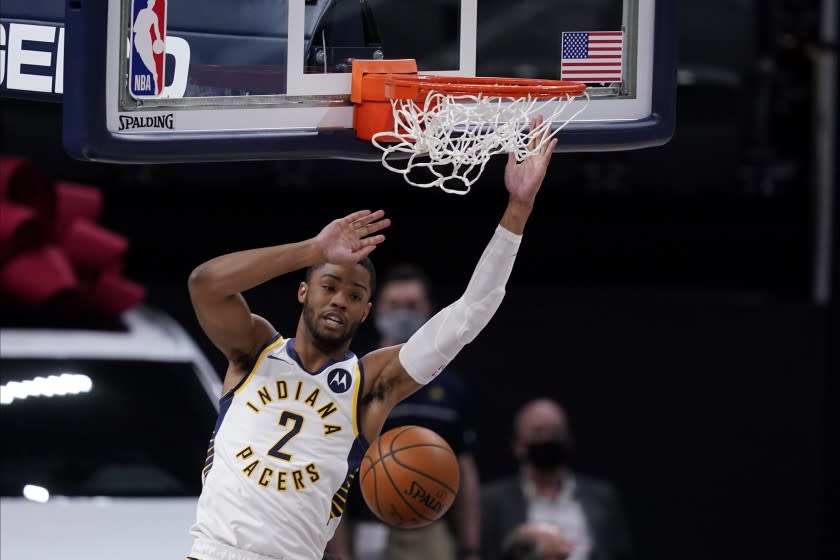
(523, 180)
(349, 239)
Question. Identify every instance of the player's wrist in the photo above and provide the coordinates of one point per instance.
(316, 251)
(516, 216)
(520, 204)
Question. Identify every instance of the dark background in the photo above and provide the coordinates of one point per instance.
(664, 296)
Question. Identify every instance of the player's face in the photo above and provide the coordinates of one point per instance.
(336, 300)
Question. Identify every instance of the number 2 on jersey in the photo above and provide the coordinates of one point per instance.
(297, 424)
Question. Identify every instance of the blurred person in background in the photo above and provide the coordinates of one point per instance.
(587, 512)
(405, 302)
(535, 541)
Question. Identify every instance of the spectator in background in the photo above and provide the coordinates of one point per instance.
(535, 541)
(587, 512)
(404, 303)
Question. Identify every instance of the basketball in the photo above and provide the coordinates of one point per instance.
(157, 46)
(409, 477)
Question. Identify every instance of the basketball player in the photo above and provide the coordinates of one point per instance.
(297, 413)
(403, 304)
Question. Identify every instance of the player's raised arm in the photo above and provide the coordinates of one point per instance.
(400, 371)
(523, 181)
(216, 286)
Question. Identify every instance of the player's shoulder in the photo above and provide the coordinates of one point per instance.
(378, 359)
(270, 343)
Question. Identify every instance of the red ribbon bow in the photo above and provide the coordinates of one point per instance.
(52, 250)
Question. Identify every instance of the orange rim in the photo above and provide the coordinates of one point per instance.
(417, 87)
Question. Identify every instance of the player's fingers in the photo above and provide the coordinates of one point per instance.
(548, 148)
(377, 226)
(372, 217)
(546, 153)
(350, 218)
(367, 251)
(373, 241)
(364, 231)
(547, 131)
(371, 223)
(539, 130)
(362, 252)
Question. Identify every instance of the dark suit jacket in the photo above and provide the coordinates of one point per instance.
(503, 507)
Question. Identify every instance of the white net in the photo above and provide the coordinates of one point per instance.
(451, 138)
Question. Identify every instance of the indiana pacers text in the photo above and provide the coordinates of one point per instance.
(261, 465)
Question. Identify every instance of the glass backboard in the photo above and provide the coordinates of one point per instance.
(174, 80)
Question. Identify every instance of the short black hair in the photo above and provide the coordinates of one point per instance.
(365, 262)
(412, 272)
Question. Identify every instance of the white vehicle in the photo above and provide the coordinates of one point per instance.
(103, 438)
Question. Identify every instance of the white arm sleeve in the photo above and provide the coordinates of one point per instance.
(438, 341)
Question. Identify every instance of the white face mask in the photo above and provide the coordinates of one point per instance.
(400, 324)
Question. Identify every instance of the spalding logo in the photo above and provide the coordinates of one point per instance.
(339, 380)
(423, 496)
(154, 121)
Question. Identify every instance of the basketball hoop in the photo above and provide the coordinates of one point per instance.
(450, 127)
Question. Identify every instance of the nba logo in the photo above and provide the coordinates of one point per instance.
(148, 48)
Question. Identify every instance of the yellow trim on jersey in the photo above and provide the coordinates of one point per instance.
(248, 377)
(356, 388)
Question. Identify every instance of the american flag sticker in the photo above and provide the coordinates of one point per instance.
(592, 56)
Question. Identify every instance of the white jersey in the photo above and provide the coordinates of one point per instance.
(284, 451)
